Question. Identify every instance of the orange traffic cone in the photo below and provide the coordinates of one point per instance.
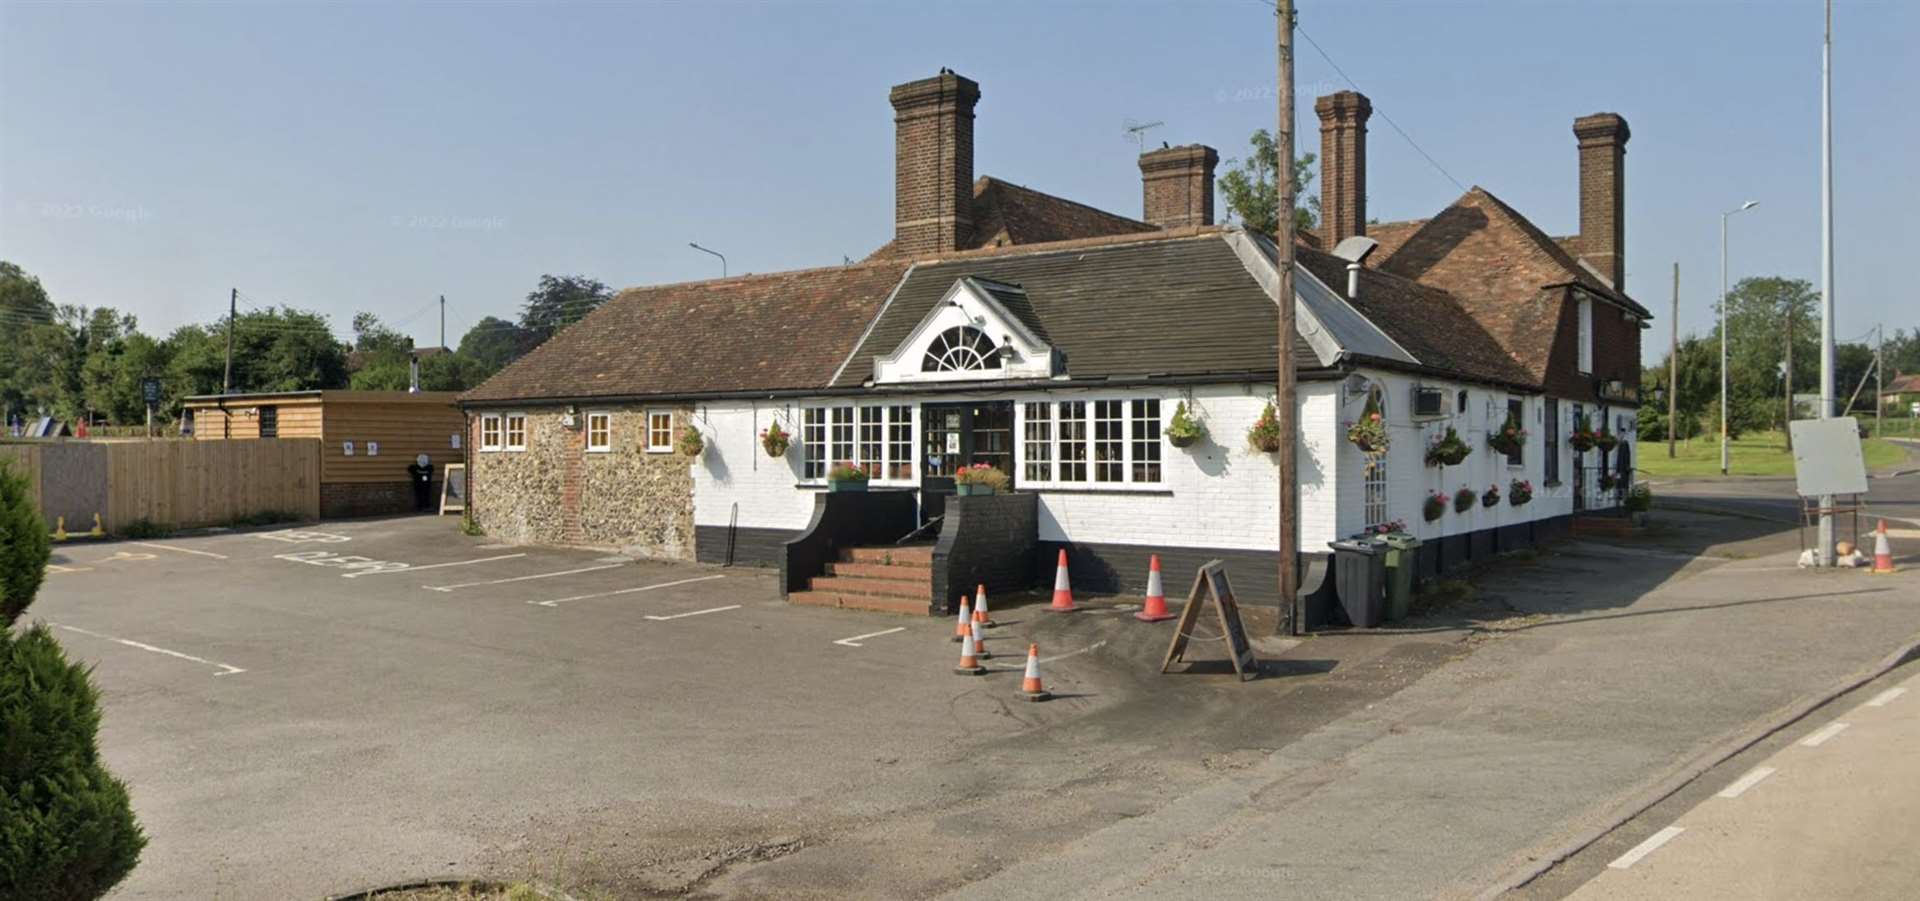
(962, 627)
(980, 641)
(1156, 608)
(980, 613)
(1031, 684)
(969, 661)
(1062, 588)
(1882, 552)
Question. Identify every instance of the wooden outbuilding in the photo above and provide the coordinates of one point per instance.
(367, 438)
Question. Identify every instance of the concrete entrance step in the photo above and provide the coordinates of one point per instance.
(880, 571)
(875, 603)
(912, 555)
(913, 589)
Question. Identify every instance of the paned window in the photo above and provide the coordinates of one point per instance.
(1073, 441)
(1586, 336)
(877, 439)
(873, 431)
(1551, 441)
(1038, 443)
(269, 422)
(1109, 441)
(840, 435)
(1375, 500)
(962, 348)
(516, 428)
(490, 432)
(1146, 440)
(659, 431)
(900, 442)
(599, 432)
(813, 442)
(1517, 411)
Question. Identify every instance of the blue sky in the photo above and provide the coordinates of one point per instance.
(372, 156)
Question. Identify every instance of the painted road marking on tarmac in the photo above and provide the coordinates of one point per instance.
(1885, 697)
(607, 594)
(57, 568)
(1645, 848)
(1751, 779)
(302, 536)
(225, 670)
(662, 619)
(182, 550)
(408, 568)
(1820, 738)
(564, 572)
(854, 642)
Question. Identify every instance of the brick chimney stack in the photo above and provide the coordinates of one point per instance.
(1343, 165)
(1603, 193)
(1176, 185)
(933, 163)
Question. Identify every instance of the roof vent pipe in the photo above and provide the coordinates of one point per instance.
(1355, 250)
(1353, 280)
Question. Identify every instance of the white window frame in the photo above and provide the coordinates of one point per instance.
(606, 441)
(667, 446)
(498, 429)
(1376, 503)
(1586, 336)
(1055, 445)
(828, 427)
(507, 421)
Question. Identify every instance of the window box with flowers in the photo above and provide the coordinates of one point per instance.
(1265, 434)
(1448, 450)
(1509, 438)
(846, 477)
(1463, 500)
(775, 440)
(1520, 492)
(1490, 497)
(1581, 440)
(1369, 432)
(1184, 430)
(1435, 506)
(978, 480)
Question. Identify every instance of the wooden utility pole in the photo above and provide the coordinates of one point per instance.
(233, 307)
(443, 320)
(1286, 412)
(1879, 380)
(1673, 366)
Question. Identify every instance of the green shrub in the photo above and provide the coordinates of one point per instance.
(1640, 499)
(69, 832)
(144, 528)
(23, 545)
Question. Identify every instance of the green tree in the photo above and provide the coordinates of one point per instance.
(561, 301)
(1761, 312)
(1251, 193)
(490, 345)
(285, 349)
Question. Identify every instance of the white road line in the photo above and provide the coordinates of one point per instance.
(412, 569)
(225, 670)
(1645, 848)
(607, 594)
(181, 550)
(695, 613)
(854, 642)
(564, 572)
(1751, 779)
(1820, 738)
(1882, 699)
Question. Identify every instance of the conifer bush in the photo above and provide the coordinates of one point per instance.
(67, 831)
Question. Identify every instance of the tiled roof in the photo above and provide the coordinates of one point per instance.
(1160, 306)
(786, 330)
(1390, 235)
(1008, 214)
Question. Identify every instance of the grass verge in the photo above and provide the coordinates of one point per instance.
(1759, 454)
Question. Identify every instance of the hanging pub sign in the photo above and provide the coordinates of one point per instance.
(1211, 587)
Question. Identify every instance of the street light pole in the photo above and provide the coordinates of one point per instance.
(1725, 295)
(722, 256)
(1825, 553)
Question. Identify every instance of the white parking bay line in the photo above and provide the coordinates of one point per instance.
(413, 569)
(1645, 848)
(854, 642)
(1883, 698)
(564, 572)
(694, 613)
(1751, 779)
(607, 594)
(182, 550)
(1820, 738)
(225, 670)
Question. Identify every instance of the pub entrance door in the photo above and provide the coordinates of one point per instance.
(956, 435)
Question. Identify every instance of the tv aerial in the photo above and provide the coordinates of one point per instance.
(1135, 133)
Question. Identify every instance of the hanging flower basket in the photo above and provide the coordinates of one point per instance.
(1605, 440)
(690, 442)
(1265, 434)
(1509, 438)
(1184, 430)
(1463, 500)
(1582, 438)
(1449, 450)
(775, 440)
(1369, 432)
(1436, 504)
(846, 477)
(1609, 481)
(1491, 497)
(1520, 492)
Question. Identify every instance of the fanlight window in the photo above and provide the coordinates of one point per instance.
(960, 349)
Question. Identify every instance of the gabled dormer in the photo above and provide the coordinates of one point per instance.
(981, 330)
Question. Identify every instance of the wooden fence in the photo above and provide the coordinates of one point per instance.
(178, 484)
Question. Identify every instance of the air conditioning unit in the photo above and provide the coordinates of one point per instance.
(1429, 402)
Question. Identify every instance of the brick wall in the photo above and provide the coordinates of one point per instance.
(347, 499)
(1343, 165)
(1602, 139)
(933, 163)
(989, 541)
(1176, 185)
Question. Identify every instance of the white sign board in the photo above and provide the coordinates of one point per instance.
(1826, 457)
(346, 447)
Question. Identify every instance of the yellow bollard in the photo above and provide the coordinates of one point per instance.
(60, 528)
(98, 531)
